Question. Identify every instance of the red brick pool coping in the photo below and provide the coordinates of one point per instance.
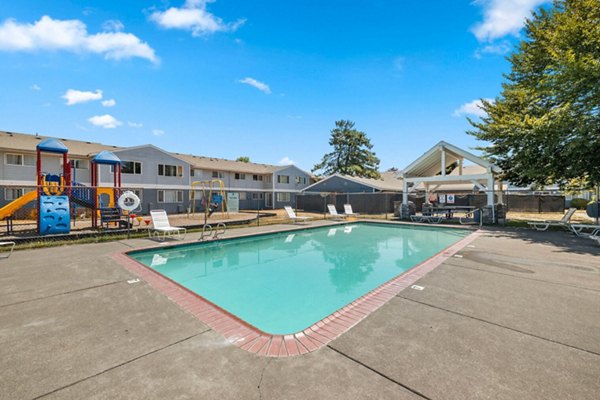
(251, 339)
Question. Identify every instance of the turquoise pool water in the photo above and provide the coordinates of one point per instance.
(283, 283)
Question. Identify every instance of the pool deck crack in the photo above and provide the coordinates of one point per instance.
(521, 277)
(414, 391)
(261, 378)
(501, 326)
(120, 364)
(64, 293)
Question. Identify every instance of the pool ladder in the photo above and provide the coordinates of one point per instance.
(207, 231)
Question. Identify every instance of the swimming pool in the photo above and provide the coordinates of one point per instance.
(282, 283)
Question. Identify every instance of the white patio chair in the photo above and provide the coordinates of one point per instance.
(333, 212)
(292, 215)
(584, 229)
(564, 222)
(160, 224)
(7, 253)
(348, 211)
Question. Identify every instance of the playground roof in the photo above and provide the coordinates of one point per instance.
(106, 157)
(52, 146)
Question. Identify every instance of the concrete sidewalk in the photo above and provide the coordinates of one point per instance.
(516, 317)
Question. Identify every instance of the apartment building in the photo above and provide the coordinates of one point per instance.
(160, 178)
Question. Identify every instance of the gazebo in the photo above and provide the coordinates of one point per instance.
(431, 169)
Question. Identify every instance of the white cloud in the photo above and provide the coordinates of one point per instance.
(286, 161)
(71, 35)
(113, 25)
(109, 103)
(194, 17)
(494, 48)
(471, 108)
(158, 132)
(35, 87)
(76, 96)
(134, 124)
(263, 87)
(503, 17)
(105, 121)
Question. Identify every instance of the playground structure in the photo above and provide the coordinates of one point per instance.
(57, 196)
(213, 197)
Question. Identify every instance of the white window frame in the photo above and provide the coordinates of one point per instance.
(177, 193)
(12, 190)
(243, 196)
(283, 197)
(217, 175)
(258, 196)
(134, 164)
(240, 176)
(280, 179)
(178, 170)
(22, 157)
(257, 177)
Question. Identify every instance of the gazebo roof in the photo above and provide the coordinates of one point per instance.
(430, 163)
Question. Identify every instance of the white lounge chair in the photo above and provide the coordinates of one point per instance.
(585, 229)
(160, 224)
(292, 215)
(333, 212)
(432, 219)
(348, 211)
(564, 222)
(7, 253)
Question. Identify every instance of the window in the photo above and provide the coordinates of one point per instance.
(138, 193)
(15, 193)
(170, 196)
(19, 159)
(131, 167)
(258, 196)
(257, 177)
(283, 179)
(240, 176)
(192, 171)
(79, 164)
(243, 196)
(300, 180)
(217, 174)
(268, 178)
(283, 197)
(170, 170)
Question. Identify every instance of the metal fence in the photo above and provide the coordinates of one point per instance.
(383, 202)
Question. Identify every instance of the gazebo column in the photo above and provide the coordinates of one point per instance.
(490, 190)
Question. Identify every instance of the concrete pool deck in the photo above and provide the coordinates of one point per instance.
(516, 317)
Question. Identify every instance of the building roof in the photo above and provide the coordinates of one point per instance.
(388, 181)
(27, 143)
(13, 141)
(221, 164)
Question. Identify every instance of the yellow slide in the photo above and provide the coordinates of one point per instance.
(14, 205)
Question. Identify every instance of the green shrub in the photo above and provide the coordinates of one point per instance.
(579, 204)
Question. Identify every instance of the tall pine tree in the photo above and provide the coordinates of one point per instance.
(351, 153)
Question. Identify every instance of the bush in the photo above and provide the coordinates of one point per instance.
(579, 204)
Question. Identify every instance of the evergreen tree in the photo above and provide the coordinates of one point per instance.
(351, 153)
(545, 126)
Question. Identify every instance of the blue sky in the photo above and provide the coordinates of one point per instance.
(264, 79)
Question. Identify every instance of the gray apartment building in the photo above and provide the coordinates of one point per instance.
(160, 178)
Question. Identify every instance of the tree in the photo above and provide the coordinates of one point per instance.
(245, 159)
(351, 153)
(544, 127)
